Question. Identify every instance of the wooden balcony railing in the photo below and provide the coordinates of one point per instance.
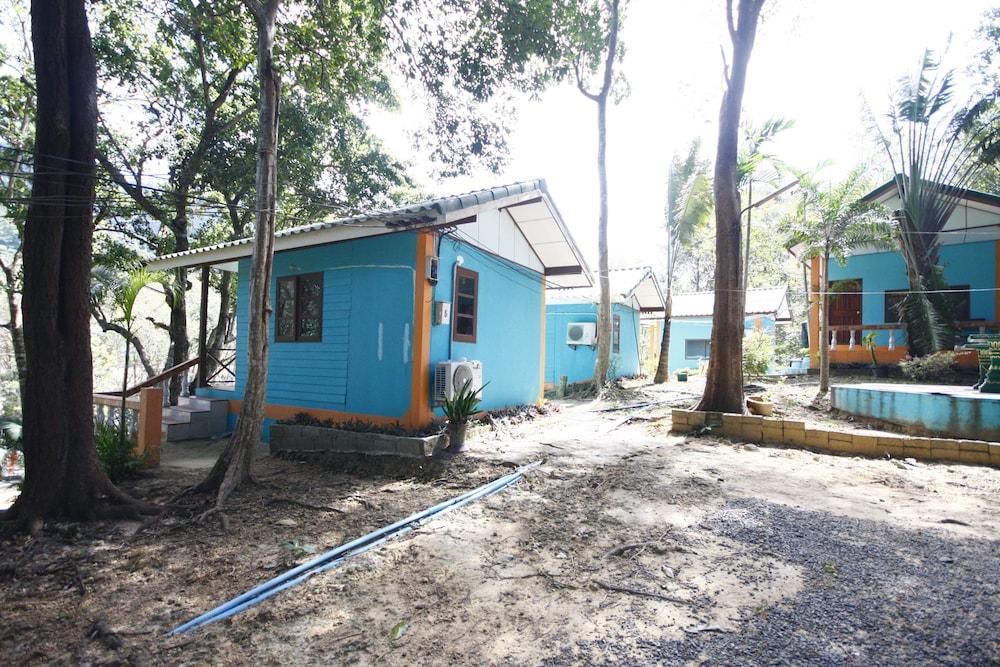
(143, 419)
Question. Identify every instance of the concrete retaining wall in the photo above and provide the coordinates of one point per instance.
(796, 433)
(295, 438)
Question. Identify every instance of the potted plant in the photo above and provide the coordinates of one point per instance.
(760, 405)
(869, 342)
(458, 409)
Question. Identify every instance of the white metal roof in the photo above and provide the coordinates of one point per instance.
(549, 247)
(636, 286)
(770, 301)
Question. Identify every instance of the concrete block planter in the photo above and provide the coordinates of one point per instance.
(296, 438)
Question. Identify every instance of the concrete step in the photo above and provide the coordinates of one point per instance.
(195, 418)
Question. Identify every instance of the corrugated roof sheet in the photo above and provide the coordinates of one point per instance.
(771, 301)
(410, 214)
(623, 282)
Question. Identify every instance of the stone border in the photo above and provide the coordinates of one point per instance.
(299, 438)
(796, 433)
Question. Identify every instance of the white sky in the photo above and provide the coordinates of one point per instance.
(814, 61)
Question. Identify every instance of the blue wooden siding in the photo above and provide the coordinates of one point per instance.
(508, 332)
(363, 363)
(700, 328)
(577, 362)
(972, 264)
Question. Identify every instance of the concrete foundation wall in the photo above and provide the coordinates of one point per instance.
(951, 411)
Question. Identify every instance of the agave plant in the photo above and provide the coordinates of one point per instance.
(937, 149)
(463, 404)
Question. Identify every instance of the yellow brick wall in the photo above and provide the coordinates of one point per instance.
(774, 430)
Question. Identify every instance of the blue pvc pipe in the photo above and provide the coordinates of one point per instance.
(335, 556)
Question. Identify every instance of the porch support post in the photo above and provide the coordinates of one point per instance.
(203, 329)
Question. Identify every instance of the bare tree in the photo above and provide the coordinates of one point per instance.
(724, 381)
(600, 97)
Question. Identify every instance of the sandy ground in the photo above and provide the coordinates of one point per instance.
(629, 545)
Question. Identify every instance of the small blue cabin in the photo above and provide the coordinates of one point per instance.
(378, 316)
(869, 287)
(691, 322)
(571, 327)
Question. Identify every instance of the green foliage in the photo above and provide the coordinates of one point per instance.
(753, 161)
(869, 342)
(936, 148)
(831, 220)
(689, 201)
(937, 367)
(117, 456)
(788, 349)
(463, 404)
(758, 354)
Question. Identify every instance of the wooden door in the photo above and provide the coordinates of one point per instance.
(845, 307)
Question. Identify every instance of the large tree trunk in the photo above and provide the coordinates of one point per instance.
(663, 365)
(63, 478)
(235, 465)
(724, 381)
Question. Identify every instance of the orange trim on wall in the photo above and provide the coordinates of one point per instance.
(541, 353)
(274, 411)
(860, 355)
(420, 413)
(814, 311)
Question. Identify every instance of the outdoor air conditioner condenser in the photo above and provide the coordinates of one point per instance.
(581, 333)
(451, 376)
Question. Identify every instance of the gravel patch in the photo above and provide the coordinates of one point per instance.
(873, 594)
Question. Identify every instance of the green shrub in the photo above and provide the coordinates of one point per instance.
(117, 458)
(758, 354)
(937, 367)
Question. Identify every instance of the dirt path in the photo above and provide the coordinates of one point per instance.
(629, 545)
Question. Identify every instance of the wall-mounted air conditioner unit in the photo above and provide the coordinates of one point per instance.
(451, 376)
(581, 333)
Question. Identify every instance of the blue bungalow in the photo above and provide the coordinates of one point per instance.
(378, 317)
(691, 322)
(872, 282)
(571, 326)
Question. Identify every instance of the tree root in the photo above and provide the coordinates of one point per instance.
(639, 592)
(217, 510)
(299, 503)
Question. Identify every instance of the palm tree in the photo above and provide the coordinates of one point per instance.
(830, 221)
(755, 165)
(936, 150)
(689, 205)
(123, 293)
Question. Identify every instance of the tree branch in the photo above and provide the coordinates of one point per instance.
(137, 345)
(580, 85)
